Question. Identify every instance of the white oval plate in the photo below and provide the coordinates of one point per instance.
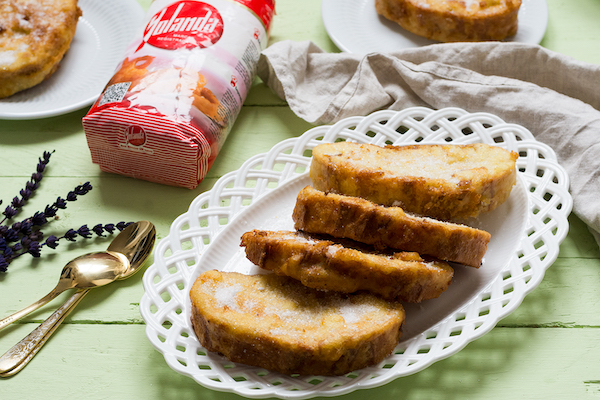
(355, 27)
(526, 233)
(103, 32)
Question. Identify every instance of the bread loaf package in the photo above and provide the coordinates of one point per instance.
(166, 112)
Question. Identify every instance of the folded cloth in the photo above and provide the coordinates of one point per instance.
(556, 97)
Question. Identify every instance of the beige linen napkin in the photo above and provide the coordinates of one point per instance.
(556, 97)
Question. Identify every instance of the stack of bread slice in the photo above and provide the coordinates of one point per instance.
(372, 232)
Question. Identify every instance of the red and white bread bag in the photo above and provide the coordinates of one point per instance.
(165, 114)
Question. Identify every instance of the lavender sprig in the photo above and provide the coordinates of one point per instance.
(26, 236)
(40, 218)
(30, 187)
(85, 232)
(30, 244)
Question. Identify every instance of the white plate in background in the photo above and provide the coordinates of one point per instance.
(355, 27)
(103, 32)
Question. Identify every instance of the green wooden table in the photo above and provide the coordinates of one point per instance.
(549, 348)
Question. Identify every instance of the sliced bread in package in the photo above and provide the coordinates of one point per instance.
(166, 112)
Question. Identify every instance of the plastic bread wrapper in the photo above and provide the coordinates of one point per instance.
(166, 112)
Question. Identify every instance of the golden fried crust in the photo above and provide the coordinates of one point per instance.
(454, 20)
(34, 36)
(325, 265)
(274, 322)
(366, 222)
(440, 181)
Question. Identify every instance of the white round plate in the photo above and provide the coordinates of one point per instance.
(103, 32)
(355, 27)
(526, 233)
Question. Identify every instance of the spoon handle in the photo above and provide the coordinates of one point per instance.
(20, 354)
(20, 314)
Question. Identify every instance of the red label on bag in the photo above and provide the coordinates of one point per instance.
(264, 9)
(185, 24)
(135, 135)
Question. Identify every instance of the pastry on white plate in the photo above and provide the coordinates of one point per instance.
(454, 20)
(34, 37)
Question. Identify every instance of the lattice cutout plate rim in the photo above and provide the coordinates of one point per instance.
(542, 183)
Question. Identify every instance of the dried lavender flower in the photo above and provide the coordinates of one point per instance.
(72, 234)
(60, 203)
(17, 203)
(3, 264)
(98, 230)
(9, 212)
(84, 231)
(51, 241)
(30, 187)
(30, 243)
(26, 236)
(110, 228)
(39, 219)
(25, 194)
(9, 251)
(11, 236)
(50, 211)
(34, 249)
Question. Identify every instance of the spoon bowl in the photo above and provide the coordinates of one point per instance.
(135, 243)
(94, 269)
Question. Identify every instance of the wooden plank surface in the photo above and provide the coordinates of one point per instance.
(114, 362)
(547, 349)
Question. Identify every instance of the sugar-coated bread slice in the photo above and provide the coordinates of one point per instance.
(325, 265)
(454, 20)
(440, 181)
(34, 37)
(366, 222)
(276, 323)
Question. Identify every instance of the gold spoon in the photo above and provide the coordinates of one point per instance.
(134, 244)
(87, 271)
